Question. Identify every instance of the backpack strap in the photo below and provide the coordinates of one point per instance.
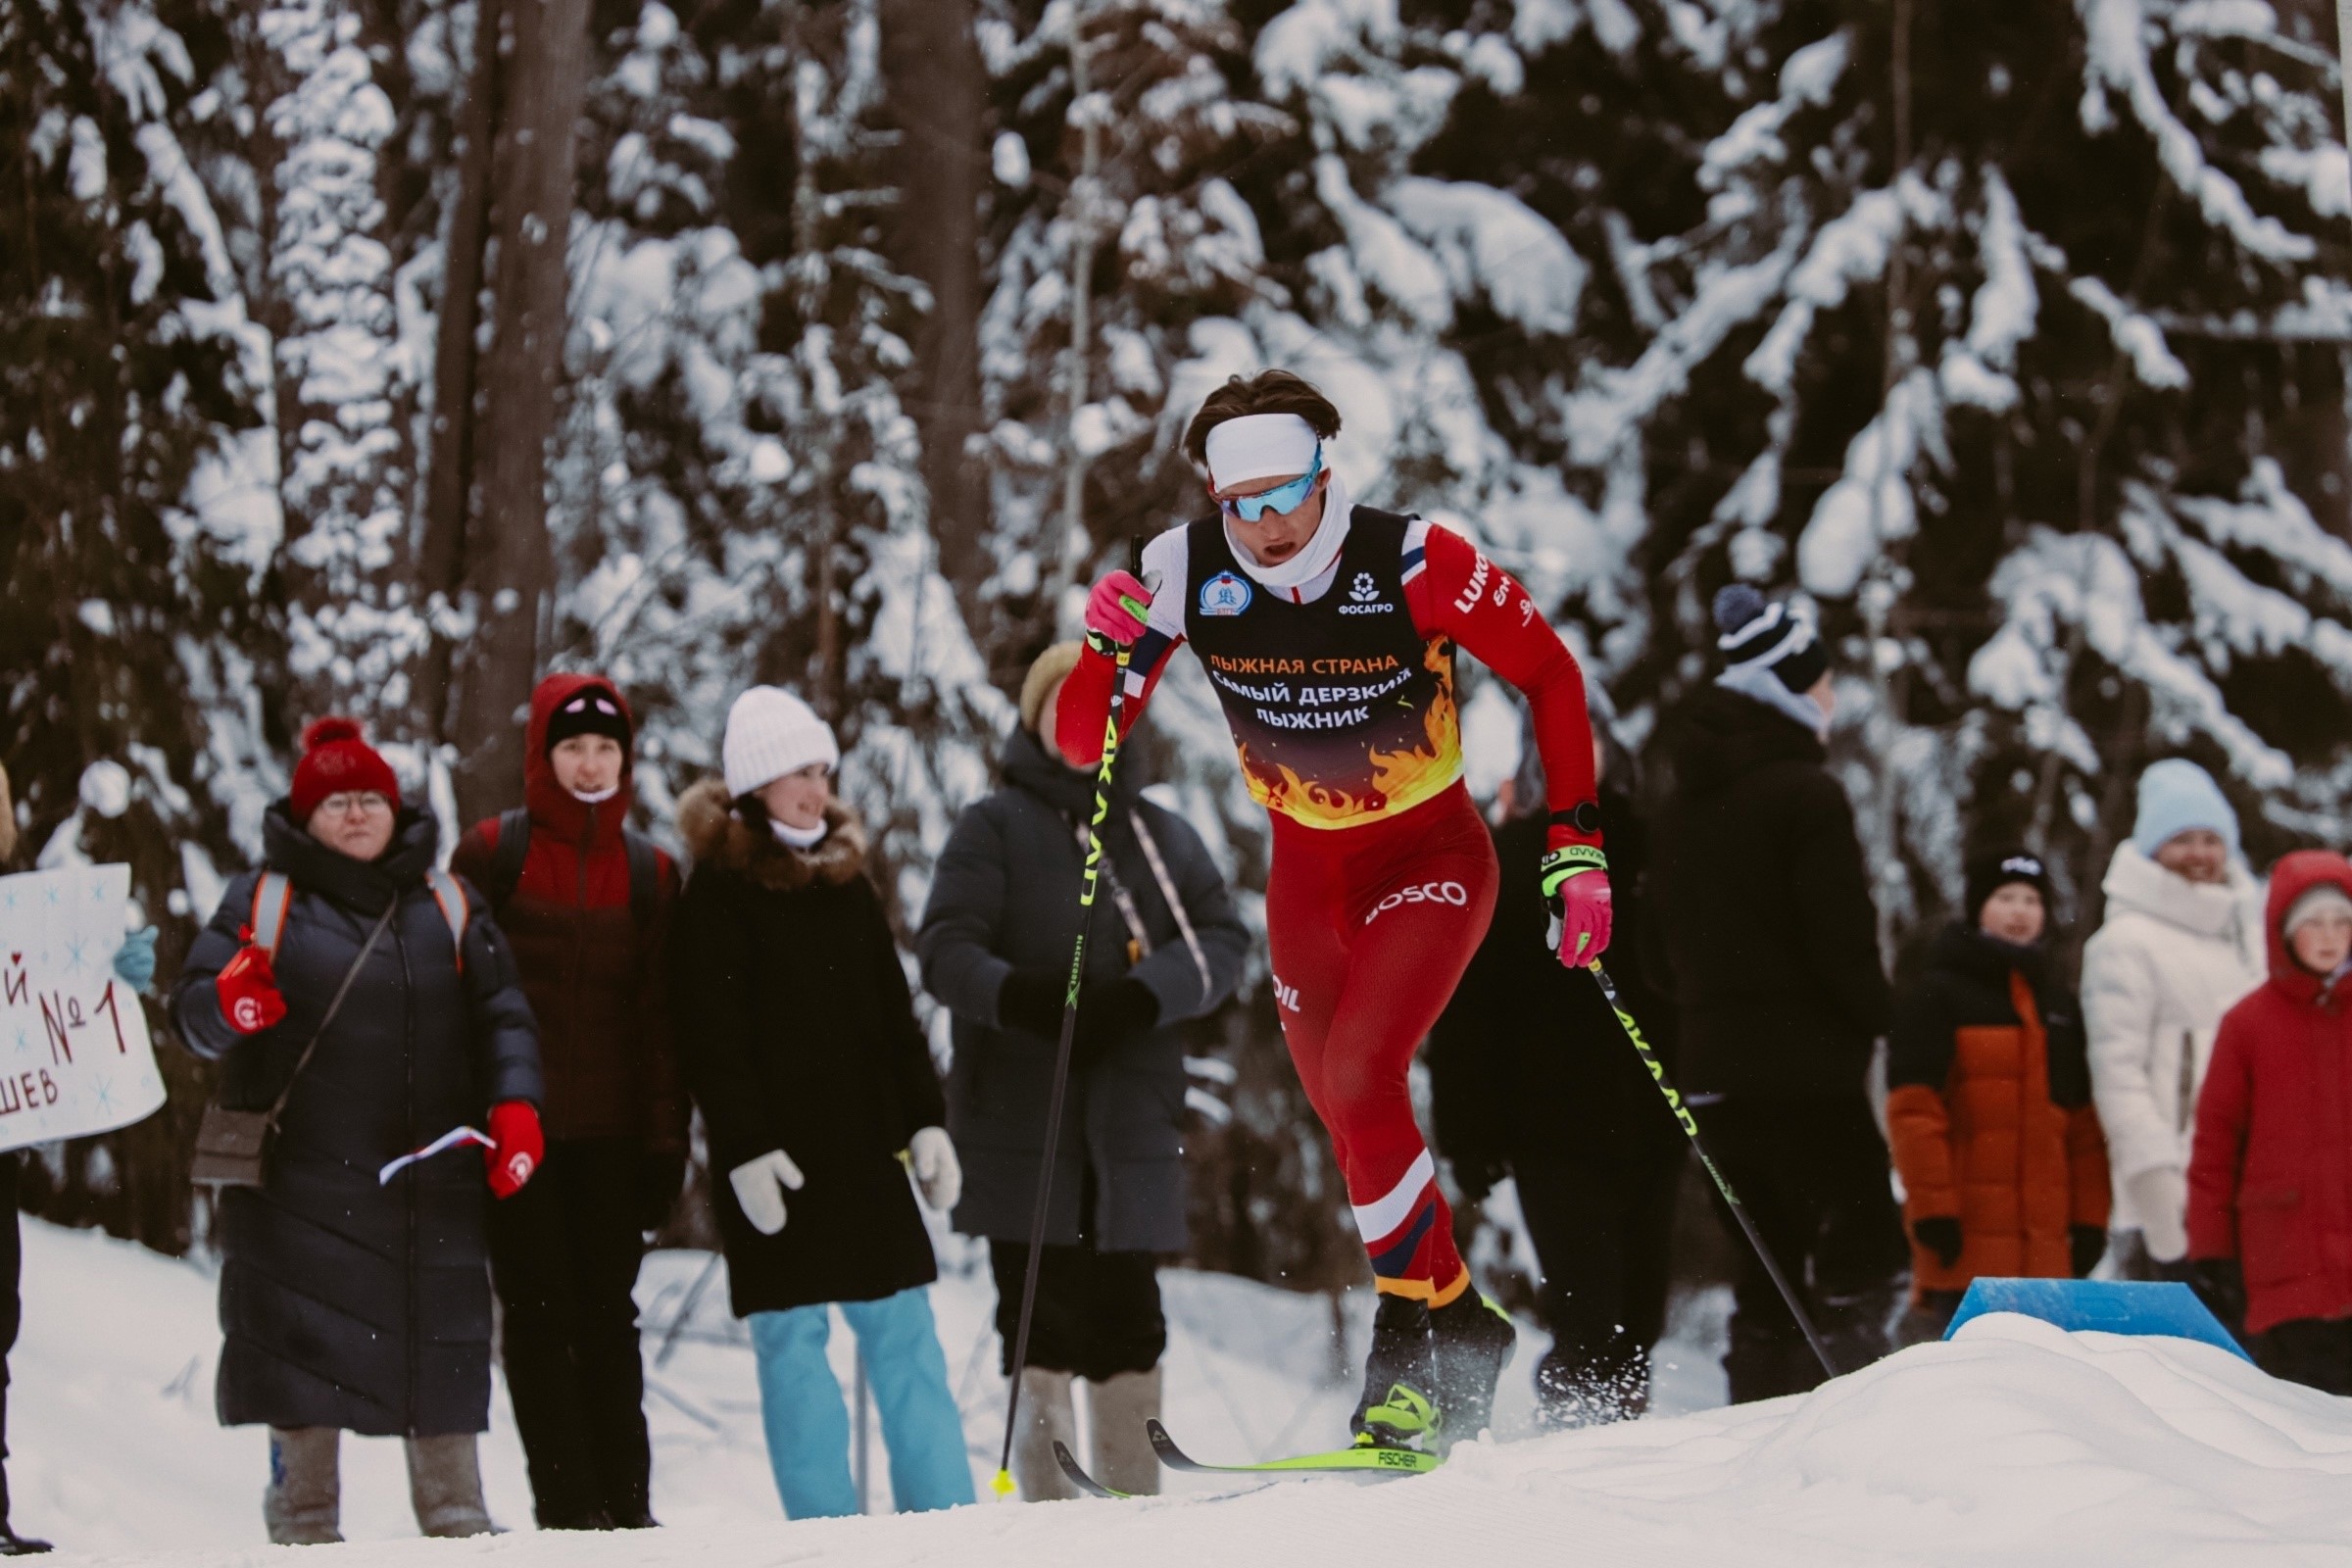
(645, 876)
(273, 898)
(506, 862)
(450, 894)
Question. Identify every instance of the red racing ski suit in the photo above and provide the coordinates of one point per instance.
(1339, 696)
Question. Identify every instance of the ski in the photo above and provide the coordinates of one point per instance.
(1080, 1479)
(1338, 1461)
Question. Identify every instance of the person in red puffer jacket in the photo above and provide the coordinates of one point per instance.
(585, 904)
(2269, 1176)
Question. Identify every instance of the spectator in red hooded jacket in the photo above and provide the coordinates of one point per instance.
(2269, 1175)
(585, 903)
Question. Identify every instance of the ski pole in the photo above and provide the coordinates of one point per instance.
(1003, 1485)
(1689, 1126)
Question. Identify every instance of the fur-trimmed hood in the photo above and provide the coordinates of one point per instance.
(715, 835)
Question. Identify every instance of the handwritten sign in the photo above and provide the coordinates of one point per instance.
(74, 1057)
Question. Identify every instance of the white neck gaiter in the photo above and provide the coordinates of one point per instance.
(1321, 550)
(800, 838)
(1759, 682)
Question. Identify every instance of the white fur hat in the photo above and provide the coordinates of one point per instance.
(771, 733)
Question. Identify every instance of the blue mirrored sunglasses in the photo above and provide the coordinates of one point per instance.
(1282, 498)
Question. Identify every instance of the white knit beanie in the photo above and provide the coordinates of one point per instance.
(2325, 897)
(771, 733)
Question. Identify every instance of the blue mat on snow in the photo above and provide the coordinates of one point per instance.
(2107, 1306)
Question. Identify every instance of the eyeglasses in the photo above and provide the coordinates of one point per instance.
(1282, 498)
(363, 804)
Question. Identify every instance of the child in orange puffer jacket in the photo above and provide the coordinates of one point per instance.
(1988, 1104)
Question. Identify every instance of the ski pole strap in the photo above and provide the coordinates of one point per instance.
(1571, 860)
(1129, 913)
(1175, 900)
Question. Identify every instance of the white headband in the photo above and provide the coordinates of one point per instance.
(1259, 446)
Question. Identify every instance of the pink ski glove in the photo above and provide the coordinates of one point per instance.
(1576, 879)
(1115, 609)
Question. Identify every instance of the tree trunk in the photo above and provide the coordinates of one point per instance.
(2343, 52)
(449, 489)
(510, 577)
(937, 94)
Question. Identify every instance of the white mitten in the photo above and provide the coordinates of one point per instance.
(2161, 1198)
(759, 1187)
(936, 1169)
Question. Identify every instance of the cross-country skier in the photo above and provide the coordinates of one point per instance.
(1328, 631)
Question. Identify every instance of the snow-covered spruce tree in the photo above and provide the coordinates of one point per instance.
(1993, 335)
(346, 384)
(739, 496)
(136, 517)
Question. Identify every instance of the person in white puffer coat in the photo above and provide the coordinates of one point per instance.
(2181, 943)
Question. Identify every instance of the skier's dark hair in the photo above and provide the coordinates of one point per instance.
(1267, 392)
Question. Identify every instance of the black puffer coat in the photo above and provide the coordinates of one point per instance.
(1527, 1062)
(346, 1304)
(1761, 908)
(796, 1031)
(1004, 896)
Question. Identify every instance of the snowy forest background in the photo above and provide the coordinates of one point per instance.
(856, 332)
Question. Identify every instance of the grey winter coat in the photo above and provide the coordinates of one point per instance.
(346, 1304)
(1004, 896)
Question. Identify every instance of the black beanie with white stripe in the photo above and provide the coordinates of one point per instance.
(1767, 634)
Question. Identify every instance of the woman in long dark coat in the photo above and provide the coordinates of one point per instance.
(350, 1303)
(798, 1039)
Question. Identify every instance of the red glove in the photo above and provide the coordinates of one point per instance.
(247, 990)
(518, 1147)
(1115, 609)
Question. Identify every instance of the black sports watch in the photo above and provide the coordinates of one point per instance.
(1585, 818)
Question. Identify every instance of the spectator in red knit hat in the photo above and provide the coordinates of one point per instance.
(335, 761)
(374, 994)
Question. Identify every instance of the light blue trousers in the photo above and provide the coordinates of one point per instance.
(809, 1422)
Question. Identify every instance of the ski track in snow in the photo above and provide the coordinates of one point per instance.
(2015, 1444)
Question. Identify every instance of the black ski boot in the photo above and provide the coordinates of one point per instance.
(1474, 1340)
(1395, 1410)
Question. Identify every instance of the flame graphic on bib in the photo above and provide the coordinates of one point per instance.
(1391, 782)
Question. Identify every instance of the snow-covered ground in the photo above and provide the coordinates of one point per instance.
(2015, 1444)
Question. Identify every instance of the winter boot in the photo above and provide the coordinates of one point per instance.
(445, 1485)
(1048, 1416)
(303, 1506)
(12, 1545)
(1121, 1450)
(1473, 1340)
(1396, 1411)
